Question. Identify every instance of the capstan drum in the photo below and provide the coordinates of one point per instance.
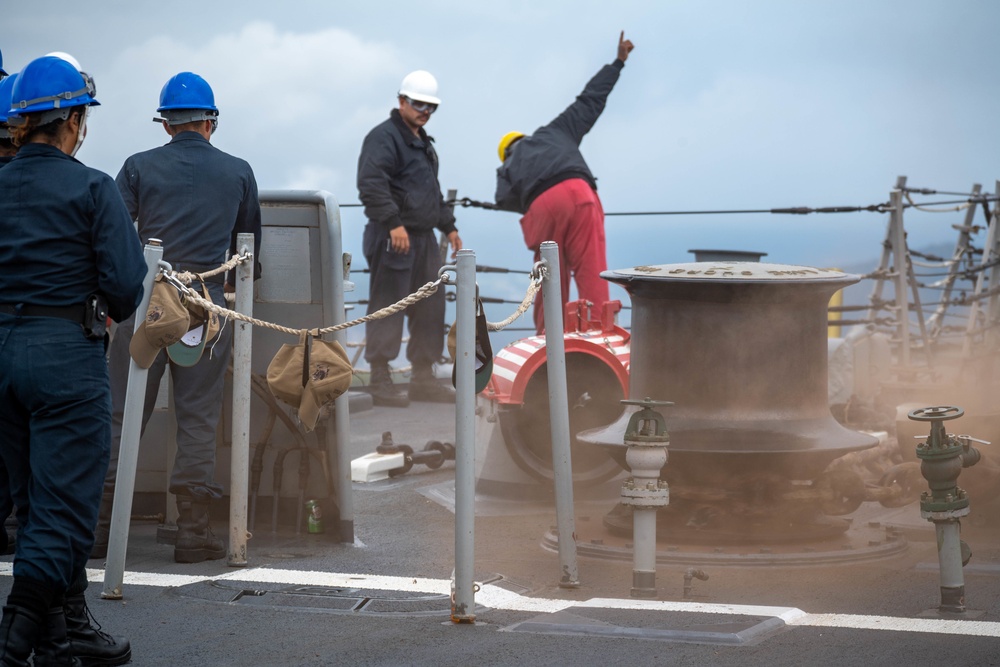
(740, 348)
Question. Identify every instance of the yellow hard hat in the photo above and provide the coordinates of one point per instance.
(505, 142)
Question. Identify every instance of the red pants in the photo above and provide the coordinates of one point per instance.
(570, 213)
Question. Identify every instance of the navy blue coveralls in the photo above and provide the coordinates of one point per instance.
(6, 502)
(196, 199)
(64, 234)
(398, 185)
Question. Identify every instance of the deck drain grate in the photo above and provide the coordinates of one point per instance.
(333, 599)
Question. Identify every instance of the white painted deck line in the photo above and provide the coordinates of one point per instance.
(897, 624)
(498, 598)
(787, 614)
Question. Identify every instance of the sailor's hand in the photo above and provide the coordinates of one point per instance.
(399, 240)
(625, 47)
(456, 243)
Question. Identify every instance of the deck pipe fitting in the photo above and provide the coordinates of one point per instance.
(689, 575)
(942, 458)
(646, 440)
(433, 455)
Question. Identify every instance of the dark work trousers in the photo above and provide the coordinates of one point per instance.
(197, 392)
(570, 213)
(55, 416)
(6, 500)
(394, 276)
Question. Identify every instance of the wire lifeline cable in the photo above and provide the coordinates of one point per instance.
(801, 210)
(793, 210)
(466, 202)
(931, 191)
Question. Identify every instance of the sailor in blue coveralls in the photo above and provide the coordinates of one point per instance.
(7, 153)
(196, 199)
(398, 185)
(69, 256)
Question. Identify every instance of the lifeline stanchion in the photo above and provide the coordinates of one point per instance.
(128, 454)
(935, 323)
(985, 284)
(463, 602)
(242, 346)
(562, 465)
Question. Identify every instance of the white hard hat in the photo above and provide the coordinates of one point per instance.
(420, 86)
(67, 57)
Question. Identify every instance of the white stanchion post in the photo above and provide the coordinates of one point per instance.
(562, 465)
(239, 486)
(463, 603)
(128, 453)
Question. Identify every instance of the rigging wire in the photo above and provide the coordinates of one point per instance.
(969, 273)
(466, 202)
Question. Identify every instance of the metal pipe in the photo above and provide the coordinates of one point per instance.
(463, 603)
(128, 454)
(645, 462)
(950, 558)
(242, 346)
(562, 465)
(644, 552)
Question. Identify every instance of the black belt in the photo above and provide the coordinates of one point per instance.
(71, 313)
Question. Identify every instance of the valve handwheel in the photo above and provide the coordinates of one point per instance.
(936, 413)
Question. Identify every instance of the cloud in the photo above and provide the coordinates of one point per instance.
(314, 177)
(260, 67)
(286, 99)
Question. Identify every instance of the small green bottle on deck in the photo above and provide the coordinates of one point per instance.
(314, 521)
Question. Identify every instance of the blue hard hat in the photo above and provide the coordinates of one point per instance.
(2, 73)
(186, 90)
(50, 84)
(6, 92)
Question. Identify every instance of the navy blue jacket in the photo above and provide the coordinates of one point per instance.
(552, 154)
(193, 197)
(398, 179)
(65, 234)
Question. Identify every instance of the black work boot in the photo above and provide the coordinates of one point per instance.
(53, 649)
(20, 630)
(103, 531)
(91, 645)
(23, 621)
(195, 540)
(383, 391)
(425, 387)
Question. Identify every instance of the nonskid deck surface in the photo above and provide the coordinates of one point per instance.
(305, 599)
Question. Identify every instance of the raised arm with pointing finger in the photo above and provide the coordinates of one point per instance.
(545, 178)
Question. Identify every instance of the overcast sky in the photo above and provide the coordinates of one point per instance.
(724, 104)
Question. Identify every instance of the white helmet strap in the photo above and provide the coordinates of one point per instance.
(82, 132)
